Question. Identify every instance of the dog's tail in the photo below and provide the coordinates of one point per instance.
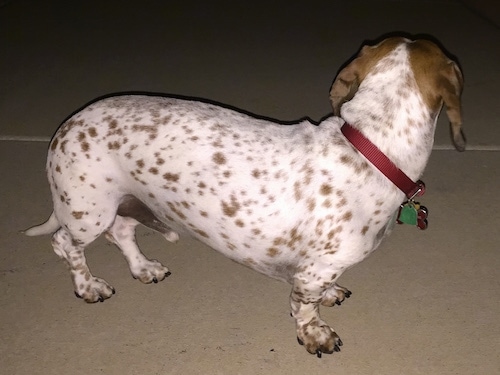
(49, 227)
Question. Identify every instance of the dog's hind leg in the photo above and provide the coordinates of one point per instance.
(71, 250)
(122, 234)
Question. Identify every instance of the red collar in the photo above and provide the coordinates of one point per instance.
(383, 163)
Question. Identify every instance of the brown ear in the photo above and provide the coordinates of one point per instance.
(348, 80)
(451, 86)
(346, 84)
(440, 81)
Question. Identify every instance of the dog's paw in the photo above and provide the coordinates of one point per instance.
(335, 295)
(318, 338)
(150, 271)
(94, 290)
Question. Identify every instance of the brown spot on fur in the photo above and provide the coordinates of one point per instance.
(272, 252)
(219, 158)
(93, 132)
(171, 177)
(77, 214)
(54, 144)
(63, 146)
(151, 129)
(345, 159)
(239, 223)
(176, 211)
(76, 243)
(311, 204)
(114, 145)
(325, 189)
(218, 143)
(112, 124)
(153, 170)
(202, 233)
(294, 237)
(279, 241)
(334, 231)
(230, 209)
(297, 191)
(364, 229)
(346, 217)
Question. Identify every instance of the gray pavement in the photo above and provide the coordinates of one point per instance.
(427, 302)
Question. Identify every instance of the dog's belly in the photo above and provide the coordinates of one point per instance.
(252, 223)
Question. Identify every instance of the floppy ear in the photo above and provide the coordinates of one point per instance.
(346, 84)
(348, 80)
(441, 82)
(451, 86)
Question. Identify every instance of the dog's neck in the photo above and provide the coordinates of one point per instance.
(389, 110)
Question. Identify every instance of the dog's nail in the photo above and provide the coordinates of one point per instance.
(336, 348)
(337, 302)
(318, 353)
(167, 274)
(339, 342)
(78, 296)
(113, 291)
(100, 299)
(155, 280)
(348, 294)
(300, 341)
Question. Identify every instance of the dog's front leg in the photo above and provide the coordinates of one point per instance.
(312, 332)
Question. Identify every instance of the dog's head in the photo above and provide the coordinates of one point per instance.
(439, 79)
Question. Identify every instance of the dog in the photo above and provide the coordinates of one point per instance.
(295, 202)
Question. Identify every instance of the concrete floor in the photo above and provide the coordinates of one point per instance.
(424, 303)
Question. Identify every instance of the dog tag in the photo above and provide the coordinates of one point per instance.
(412, 213)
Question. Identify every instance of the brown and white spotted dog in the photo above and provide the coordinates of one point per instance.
(294, 202)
